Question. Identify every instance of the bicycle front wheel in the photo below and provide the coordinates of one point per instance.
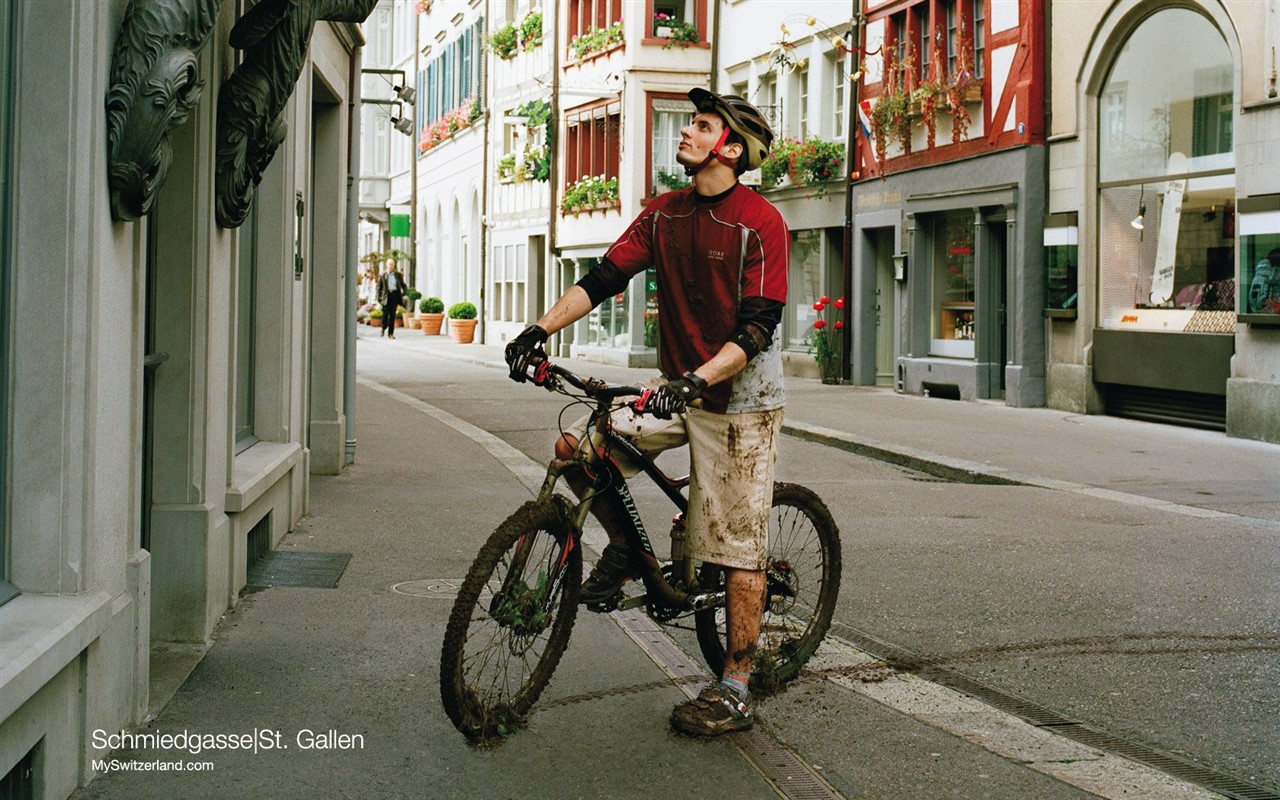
(802, 581)
(511, 621)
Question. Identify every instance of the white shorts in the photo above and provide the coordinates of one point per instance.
(731, 458)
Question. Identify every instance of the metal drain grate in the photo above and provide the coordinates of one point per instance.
(1173, 765)
(1038, 715)
(298, 569)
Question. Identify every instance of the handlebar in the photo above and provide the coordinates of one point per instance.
(548, 375)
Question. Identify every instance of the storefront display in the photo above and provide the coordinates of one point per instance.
(1260, 259)
(1061, 257)
(1167, 183)
(953, 271)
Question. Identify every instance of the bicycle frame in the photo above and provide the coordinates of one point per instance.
(594, 459)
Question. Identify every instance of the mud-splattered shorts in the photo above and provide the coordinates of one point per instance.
(731, 476)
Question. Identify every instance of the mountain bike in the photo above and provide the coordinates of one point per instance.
(511, 621)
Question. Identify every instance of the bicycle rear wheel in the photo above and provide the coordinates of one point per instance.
(511, 621)
(803, 580)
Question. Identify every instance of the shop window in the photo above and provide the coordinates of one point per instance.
(805, 285)
(668, 114)
(953, 283)
(1260, 259)
(606, 324)
(1167, 214)
(1061, 263)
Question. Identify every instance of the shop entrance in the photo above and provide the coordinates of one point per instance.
(886, 313)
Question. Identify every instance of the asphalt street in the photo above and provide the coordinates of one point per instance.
(1122, 593)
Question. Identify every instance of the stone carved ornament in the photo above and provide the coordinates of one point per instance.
(154, 86)
(274, 36)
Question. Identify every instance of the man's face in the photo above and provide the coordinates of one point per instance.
(391, 265)
(699, 137)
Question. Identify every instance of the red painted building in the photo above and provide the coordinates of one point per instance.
(949, 166)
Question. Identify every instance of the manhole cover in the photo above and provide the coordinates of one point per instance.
(439, 588)
(298, 569)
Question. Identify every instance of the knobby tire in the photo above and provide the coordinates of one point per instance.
(487, 693)
(803, 538)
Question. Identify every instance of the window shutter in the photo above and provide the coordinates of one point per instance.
(466, 64)
(419, 109)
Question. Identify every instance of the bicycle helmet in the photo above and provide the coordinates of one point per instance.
(742, 118)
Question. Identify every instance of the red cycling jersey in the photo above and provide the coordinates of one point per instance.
(710, 254)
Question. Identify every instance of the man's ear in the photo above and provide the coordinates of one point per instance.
(732, 150)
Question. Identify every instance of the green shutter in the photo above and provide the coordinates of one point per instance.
(400, 225)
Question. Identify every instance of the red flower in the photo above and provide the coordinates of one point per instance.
(840, 304)
(818, 306)
(819, 323)
(839, 325)
(824, 300)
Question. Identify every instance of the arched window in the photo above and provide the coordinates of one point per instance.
(1166, 178)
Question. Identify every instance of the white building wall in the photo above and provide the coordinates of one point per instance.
(75, 650)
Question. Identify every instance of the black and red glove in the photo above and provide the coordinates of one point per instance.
(673, 397)
(523, 349)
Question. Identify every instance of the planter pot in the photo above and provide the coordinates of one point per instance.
(463, 331)
(431, 323)
(412, 323)
(662, 32)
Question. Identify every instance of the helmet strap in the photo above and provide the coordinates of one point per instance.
(715, 153)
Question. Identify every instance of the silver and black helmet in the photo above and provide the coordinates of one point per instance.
(742, 118)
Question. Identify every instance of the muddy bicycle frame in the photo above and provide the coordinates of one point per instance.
(593, 458)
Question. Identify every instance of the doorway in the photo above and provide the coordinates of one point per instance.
(885, 307)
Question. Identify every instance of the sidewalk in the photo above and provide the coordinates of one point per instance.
(337, 685)
(361, 658)
(1200, 473)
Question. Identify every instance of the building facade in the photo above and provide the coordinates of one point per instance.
(160, 435)
(951, 175)
(1164, 199)
(946, 247)
(453, 118)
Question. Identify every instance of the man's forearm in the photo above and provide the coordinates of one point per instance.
(572, 306)
(731, 360)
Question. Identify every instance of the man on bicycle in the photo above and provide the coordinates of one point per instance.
(721, 255)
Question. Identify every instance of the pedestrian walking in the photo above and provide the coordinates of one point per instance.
(721, 255)
(391, 289)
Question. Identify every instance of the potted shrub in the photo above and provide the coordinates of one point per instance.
(462, 322)
(431, 311)
(375, 317)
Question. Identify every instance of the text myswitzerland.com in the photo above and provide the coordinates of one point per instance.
(132, 765)
(257, 741)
